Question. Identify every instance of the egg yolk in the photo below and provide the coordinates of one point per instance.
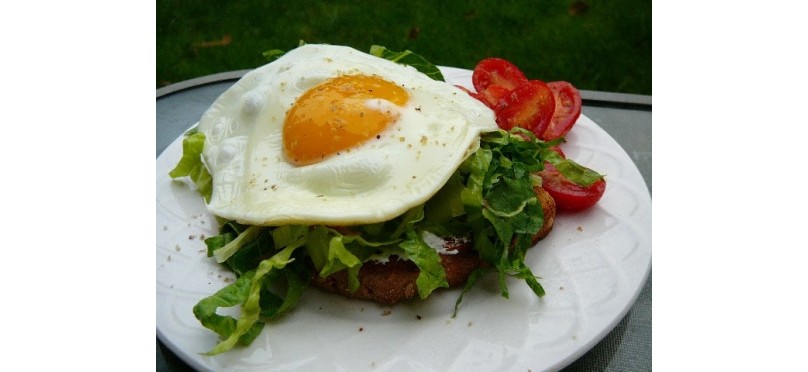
(339, 114)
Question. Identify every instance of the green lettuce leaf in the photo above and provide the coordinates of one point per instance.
(470, 283)
(218, 241)
(190, 165)
(317, 246)
(250, 307)
(577, 173)
(249, 235)
(231, 295)
(447, 204)
(331, 251)
(410, 59)
(431, 276)
(273, 54)
(295, 277)
(501, 206)
(252, 253)
(339, 258)
(275, 284)
(290, 235)
(408, 221)
(477, 166)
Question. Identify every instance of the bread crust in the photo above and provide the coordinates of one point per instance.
(394, 281)
(548, 207)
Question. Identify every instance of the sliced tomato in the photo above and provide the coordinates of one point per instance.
(568, 195)
(530, 106)
(496, 71)
(491, 95)
(475, 95)
(558, 150)
(567, 110)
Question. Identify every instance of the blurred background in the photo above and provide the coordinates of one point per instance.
(602, 45)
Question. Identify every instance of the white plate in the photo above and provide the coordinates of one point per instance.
(593, 266)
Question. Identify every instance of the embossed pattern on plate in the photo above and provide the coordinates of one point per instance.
(592, 266)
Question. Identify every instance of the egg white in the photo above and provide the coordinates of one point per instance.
(253, 183)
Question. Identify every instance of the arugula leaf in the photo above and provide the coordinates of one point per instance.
(408, 58)
(190, 165)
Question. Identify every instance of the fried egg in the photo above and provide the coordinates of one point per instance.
(331, 135)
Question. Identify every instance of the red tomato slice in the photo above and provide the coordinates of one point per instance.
(567, 110)
(491, 95)
(568, 195)
(530, 106)
(475, 95)
(496, 71)
(558, 151)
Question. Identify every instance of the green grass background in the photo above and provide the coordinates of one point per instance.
(600, 45)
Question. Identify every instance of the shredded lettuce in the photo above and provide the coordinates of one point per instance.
(332, 251)
(410, 59)
(234, 245)
(229, 296)
(191, 165)
(575, 172)
(431, 275)
(250, 304)
(273, 54)
(502, 210)
(340, 258)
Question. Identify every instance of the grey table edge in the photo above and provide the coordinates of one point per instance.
(626, 117)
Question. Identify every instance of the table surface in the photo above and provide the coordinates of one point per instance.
(626, 117)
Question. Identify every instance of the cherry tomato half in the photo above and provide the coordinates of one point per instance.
(568, 195)
(496, 71)
(475, 95)
(558, 151)
(491, 95)
(530, 106)
(567, 110)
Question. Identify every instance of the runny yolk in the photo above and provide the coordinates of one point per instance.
(339, 114)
